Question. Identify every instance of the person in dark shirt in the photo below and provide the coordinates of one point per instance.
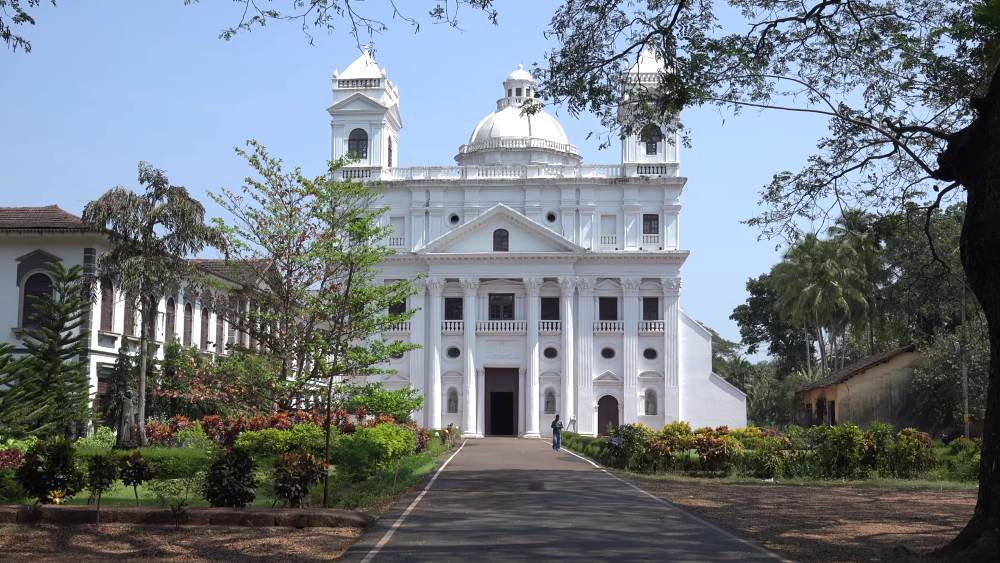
(557, 427)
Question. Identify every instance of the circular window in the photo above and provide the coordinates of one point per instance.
(551, 217)
(550, 352)
(607, 353)
(649, 353)
(454, 219)
(453, 352)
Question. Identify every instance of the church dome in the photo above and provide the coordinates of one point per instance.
(510, 135)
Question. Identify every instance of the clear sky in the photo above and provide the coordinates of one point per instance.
(110, 83)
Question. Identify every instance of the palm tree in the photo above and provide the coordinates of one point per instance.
(152, 235)
(864, 233)
(819, 284)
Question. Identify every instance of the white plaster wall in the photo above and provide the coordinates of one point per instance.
(706, 399)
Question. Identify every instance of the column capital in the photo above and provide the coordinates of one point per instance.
(533, 285)
(630, 286)
(586, 285)
(671, 286)
(435, 286)
(469, 285)
(420, 285)
(567, 284)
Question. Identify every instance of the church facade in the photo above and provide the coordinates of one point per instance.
(544, 285)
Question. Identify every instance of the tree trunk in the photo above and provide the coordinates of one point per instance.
(973, 159)
(822, 350)
(143, 362)
(809, 366)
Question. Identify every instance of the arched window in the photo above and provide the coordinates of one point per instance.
(205, 317)
(188, 324)
(501, 240)
(452, 401)
(650, 402)
(107, 307)
(357, 144)
(36, 286)
(389, 160)
(170, 331)
(550, 402)
(651, 135)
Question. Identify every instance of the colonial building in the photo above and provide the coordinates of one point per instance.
(544, 286)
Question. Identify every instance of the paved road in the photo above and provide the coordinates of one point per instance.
(515, 499)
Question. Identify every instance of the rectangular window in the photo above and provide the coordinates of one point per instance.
(453, 310)
(501, 306)
(609, 226)
(650, 308)
(397, 308)
(651, 147)
(833, 413)
(650, 224)
(607, 308)
(518, 90)
(550, 308)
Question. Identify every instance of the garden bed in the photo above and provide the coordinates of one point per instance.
(248, 517)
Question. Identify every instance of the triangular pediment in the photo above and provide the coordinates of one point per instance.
(357, 102)
(476, 236)
(607, 376)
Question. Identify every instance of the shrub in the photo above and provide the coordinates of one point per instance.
(10, 490)
(49, 472)
(193, 436)
(879, 443)
(175, 494)
(102, 439)
(628, 446)
(176, 463)
(271, 441)
(102, 472)
(716, 449)
(230, 480)
(10, 459)
(134, 470)
(767, 459)
(839, 450)
(367, 450)
(671, 444)
(294, 473)
(914, 452)
(966, 458)
(20, 445)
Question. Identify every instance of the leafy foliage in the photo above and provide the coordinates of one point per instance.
(134, 471)
(377, 401)
(360, 454)
(102, 472)
(294, 473)
(49, 472)
(305, 438)
(230, 480)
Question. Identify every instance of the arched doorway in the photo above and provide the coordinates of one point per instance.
(607, 413)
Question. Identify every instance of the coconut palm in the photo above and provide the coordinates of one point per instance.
(152, 234)
(820, 290)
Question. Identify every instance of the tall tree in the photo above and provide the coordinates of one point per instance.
(760, 322)
(911, 90)
(152, 235)
(48, 392)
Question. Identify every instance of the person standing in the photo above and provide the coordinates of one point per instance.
(557, 427)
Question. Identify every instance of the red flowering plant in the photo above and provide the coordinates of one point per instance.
(10, 459)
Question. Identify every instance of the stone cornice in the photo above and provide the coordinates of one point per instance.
(655, 257)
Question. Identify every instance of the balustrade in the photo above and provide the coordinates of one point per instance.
(397, 242)
(609, 326)
(651, 239)
(651, 326)
(503, 327)
(399, 327)
(452, 327)
(609, 240)
(550, 327)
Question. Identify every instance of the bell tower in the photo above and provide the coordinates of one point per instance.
(364, 118)
(651, 151)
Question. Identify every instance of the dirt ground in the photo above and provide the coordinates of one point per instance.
(170, 543)
(829, 523)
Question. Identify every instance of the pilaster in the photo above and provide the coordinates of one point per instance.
(587, 410)
(630, 294)
(532, 288)
(470, 288)
(418, 373)
(567, 286)
(434, 286)
(671, 348)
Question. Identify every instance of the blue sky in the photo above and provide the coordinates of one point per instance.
(111, 83)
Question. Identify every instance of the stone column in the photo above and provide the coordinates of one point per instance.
(434, 286)
(470, 288)
(630, 348)
(532, 288)
(587, 408)
(567, 285)
(671, 349)
(418, 373)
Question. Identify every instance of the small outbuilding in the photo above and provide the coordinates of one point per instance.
(876, 388)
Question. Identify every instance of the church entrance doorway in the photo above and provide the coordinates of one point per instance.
(500, 394)
(607, 414)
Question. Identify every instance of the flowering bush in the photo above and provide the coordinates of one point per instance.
(294, 473)
(10, 459)
(879, 443)
(914, 452)
(716, 448)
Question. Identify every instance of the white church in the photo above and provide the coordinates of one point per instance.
(544, 285)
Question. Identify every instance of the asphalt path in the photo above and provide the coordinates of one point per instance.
(514, 499)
